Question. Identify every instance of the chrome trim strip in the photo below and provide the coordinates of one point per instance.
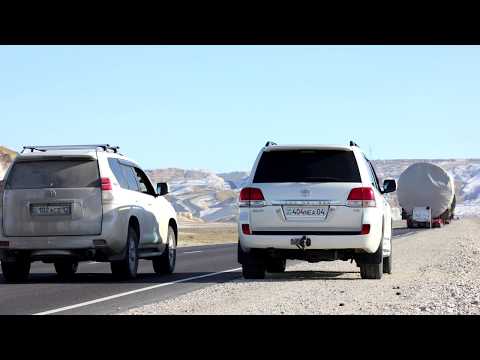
(306, 202)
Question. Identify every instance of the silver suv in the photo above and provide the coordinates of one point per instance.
(65, 204)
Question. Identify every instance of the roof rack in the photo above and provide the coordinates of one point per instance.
(353, 144)
(104, 147)
(270, 143)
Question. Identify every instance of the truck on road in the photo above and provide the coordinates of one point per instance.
(426, 188)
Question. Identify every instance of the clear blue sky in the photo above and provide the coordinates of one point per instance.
(213, 107)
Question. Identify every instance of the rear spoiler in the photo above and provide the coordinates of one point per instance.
(43, 157)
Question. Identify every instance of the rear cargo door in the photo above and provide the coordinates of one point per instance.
(306, 191)
(53, 197)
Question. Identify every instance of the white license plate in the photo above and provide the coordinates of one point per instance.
(306, 212)
(51, 210)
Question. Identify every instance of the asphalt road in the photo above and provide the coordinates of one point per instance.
(94, 291)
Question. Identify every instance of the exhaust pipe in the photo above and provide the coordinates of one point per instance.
(90, 254)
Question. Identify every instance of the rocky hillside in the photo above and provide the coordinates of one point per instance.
(212, 197)
(6, 157)
(203, 196)
(466, 173)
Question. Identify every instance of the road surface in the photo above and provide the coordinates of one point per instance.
(94, 291)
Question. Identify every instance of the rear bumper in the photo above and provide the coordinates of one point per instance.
(47, 248)
(368, 243)
(53, 243)
(111, 242)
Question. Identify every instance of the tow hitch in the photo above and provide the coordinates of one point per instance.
(301, 242)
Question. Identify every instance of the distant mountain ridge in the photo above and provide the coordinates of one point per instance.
(213, 197)
(6, 157)
(203, 196)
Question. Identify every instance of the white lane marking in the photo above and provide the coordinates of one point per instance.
(53, 311)
(406, 234)
(192, 252)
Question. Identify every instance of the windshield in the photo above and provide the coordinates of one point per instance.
(307, 166)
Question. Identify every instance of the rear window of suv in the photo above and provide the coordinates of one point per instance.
(307, 166)
(54, 174)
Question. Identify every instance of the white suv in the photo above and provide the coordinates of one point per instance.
(314, 203)
(65, 204)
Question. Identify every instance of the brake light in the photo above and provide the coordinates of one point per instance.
(246, 229)
(106, 184)
(361, 197)
(251, 197)
(365, 229)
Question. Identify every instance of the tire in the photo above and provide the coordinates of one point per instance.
(276, 265)
(372, 264)
(387, 261)
(387, 264)
(127, 268)
(16, 271)
(253, 264)
(165, 263)
(66, 269)
(371, 271)
(253, 270)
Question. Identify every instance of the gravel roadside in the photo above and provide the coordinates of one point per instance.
(435, 271)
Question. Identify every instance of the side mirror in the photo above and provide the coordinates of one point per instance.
(389, 185)
(162, 189)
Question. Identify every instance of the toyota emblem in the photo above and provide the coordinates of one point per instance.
(305, 192)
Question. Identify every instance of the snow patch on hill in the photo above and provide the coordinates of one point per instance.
(200, 195)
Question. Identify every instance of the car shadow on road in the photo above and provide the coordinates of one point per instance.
(109, 279)
(314, 275)
(187, 277)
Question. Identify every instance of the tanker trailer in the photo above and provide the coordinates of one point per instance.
(428, 186)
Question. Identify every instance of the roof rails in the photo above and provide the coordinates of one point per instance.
(353, 144)
(270, 143)
(104, 147)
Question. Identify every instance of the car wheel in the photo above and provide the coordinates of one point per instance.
(276, 265)
(371, 271)
(165, 263)
(372, 264)
(66, 269)
(127, 268)
(387, 261)
(387, 264)
(253, 270)
(15, 271)
(253, 266)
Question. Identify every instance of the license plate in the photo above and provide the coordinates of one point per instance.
(306, 212)
(51, 210)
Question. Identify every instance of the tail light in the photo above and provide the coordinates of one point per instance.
(365, 229)
(361, 197)
(106, 184)
(246, 229)
(251, 197)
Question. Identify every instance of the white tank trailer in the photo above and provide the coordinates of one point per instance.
(427, 185)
